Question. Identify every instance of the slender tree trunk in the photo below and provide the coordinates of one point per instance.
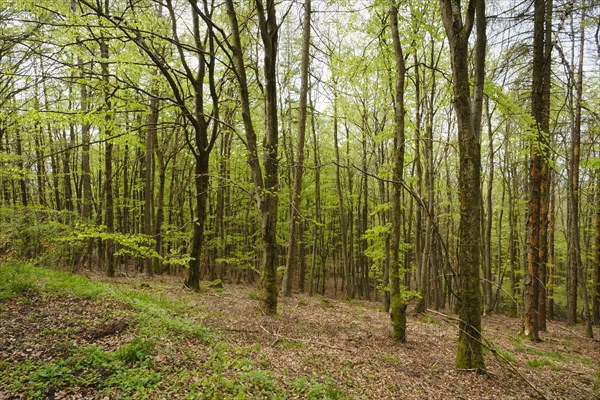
(160, 215)
(201, 187)
(551, 255)
(299, 166)
(109, 249)
(487, 250)
(39, 152)
(596, 291)
(545, 181)
(398, 300)
(419, 239)
(575, 264)
(21, 165)
(341, 202)
(150, 142)
(537, 169)
(317, 262)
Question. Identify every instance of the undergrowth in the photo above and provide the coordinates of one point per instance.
(166, 353)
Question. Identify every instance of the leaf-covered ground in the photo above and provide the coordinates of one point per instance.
(65, 336)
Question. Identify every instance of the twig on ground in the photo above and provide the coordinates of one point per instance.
(279, 337)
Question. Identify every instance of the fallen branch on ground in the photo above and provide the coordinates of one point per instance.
(279, 337)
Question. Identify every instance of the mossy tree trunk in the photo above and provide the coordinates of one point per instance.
(469, 354)
(398, 301)
(596, 289)
(265, 177)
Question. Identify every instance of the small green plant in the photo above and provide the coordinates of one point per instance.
(505, 354)
(539, 363)
(427, 319)
(327, 389)
(390, 359)
(51, 372)
(253, 295)
(23, 287)
(136, 351)
(517, 341)
(311, 359)
(596, 387)
(327, 303)
(354, 302)
(290, 344)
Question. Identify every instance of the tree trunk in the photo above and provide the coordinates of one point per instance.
(21, 165)
(468, 115)
(596, 291)
(150, 142)
(341, 205)
(265, 185)
(487, 232)
(398, 299)
(537, 170)
(317, 262)
(299, 166)
(545, 182)
(574, 245)
(108, 249)
(551, 256)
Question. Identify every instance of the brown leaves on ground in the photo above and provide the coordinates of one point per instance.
(351, 343)
(43, 326)
(315, 336)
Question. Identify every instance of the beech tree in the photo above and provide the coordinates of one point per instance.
(265, 178)
(468, 115)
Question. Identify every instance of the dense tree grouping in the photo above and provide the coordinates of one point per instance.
(444, 154)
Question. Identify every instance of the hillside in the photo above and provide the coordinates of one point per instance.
(66, 336)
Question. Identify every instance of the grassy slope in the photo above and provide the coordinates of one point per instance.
(69, 336)
(162, 353)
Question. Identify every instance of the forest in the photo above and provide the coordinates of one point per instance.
(400, 173)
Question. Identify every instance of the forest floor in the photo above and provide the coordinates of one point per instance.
(77, 337)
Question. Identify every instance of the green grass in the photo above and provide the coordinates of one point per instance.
(290, 344)
(390, 359)
(596, 387)
(167, 354)
(539, 363)
(427, 319)
(505, 354)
